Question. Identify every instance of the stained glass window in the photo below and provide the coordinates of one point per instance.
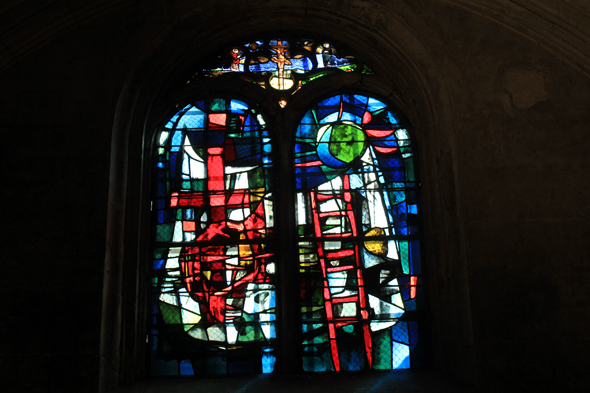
(213, 284)
(356, 229)
(359, 254)
(284, 64)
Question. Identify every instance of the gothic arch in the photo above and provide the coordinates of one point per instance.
(156, 79)
(561, 27)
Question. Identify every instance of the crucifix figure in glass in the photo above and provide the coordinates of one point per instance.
(281, 58)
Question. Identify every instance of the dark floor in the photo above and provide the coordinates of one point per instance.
(401, 381)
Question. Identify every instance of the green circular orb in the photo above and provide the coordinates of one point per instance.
(347, 141)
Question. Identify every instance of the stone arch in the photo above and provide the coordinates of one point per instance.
(410, 79)
(560, 27)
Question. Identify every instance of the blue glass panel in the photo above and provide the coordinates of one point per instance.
(260, 67)
(400, 356)
(395, 176)
(332, 117)
(173, 164)
(193, 118)
(171, 122)
(354, 109)
(399, 333)
(308, 118)
(201, 105)
(413, 327)
(238, 106)
(177, 140)
(307, 131)
(186, 368)
(352, 361)
(305, 148)
(400, 218)
(189, 214)
(375, 105)
(388, 141)
(361, 101)
(392, 118)
(332, 102)
(161, 189)
(161, 175)
(326, 107)
(268, 360)
(350, 117)
(307, 177)
(158, 264)
(386, 200)
(303, 64)
(410, 305)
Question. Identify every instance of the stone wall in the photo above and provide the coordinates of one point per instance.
(498, 95)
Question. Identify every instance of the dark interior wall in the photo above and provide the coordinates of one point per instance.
(500, 110)
(57, 108)
(522, 141)
(522, 137)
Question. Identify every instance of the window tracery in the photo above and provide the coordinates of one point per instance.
(215, 256)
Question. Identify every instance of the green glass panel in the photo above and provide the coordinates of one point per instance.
(347, 142)
(368, 71)
(160, 253)
(257, 178)
(301, 230)
(170, 313)
(164, 232)
(217, 104)
(382, 350)
(412, 197)
(348, 68)
(198, 185)
(250, 333)
(317, 339)
(234, 125)
(319, 75)
(404, 255)
(409, 164)
(397, 196)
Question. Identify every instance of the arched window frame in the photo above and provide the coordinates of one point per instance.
(284, 142)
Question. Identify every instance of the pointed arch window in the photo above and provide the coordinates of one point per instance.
(352, 225)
